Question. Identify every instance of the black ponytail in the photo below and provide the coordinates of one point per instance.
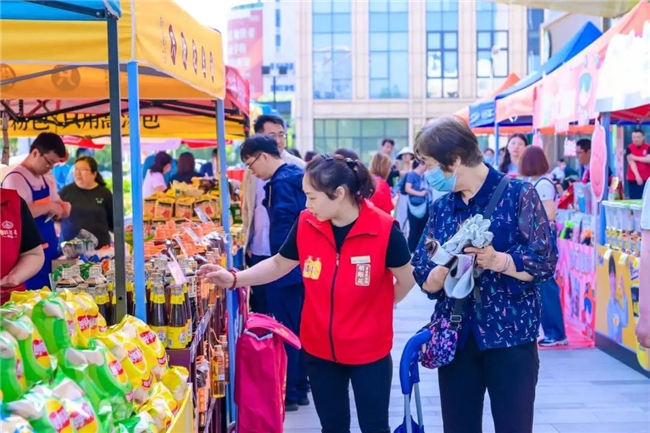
(328, 172)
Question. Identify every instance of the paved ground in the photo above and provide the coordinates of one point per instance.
(580, 391)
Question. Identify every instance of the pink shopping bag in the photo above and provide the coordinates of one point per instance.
(261, 371)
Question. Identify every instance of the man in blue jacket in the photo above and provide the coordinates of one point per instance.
(284, 200)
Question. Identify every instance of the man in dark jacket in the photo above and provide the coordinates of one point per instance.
(284, 201)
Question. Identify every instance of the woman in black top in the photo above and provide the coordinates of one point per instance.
(185, 170)
(91, 201)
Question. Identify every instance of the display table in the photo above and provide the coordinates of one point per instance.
(617, 285)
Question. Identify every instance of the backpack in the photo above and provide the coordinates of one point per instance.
(260, 371)
(548, 180)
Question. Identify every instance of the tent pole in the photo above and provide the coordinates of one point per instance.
(496, 144)
(231, 297)
(136, 191)
(116, 165)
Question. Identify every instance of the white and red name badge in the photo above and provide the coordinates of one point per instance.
(7, 230)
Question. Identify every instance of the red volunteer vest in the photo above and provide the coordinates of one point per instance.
(347, 316)
(643, 167)
(10, 234)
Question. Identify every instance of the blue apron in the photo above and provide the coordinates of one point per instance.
(48, 232)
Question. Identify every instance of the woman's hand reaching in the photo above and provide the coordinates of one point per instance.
(217, 275)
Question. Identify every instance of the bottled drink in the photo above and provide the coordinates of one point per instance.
(130, 291)
(158, 317)
(67, 281)
(190, 298)
(96, 284)
(223, 340)
(112, 300)
(218, 364)
(177, 325)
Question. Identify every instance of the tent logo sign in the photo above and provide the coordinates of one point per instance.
(172, 45)
(184, 50)
(203, 63)
(211, 67)
(195, 58)
(7, 73)
(66, 80)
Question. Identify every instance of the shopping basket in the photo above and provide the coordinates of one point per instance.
(409, 379)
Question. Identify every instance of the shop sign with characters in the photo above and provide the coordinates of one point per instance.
(625, 75)
(617, 300)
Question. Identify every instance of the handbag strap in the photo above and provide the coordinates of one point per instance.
(457, 314)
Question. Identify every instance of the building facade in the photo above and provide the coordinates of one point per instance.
(262, 46)
(382, 68)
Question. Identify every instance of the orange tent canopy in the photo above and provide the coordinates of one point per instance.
(510, 81)
(550, 130)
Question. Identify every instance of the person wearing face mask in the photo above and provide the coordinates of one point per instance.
(349, 254)
(91, 202)
(488, 156)
(154, 181)
(418, 203)
(496, 348)
(36, 185)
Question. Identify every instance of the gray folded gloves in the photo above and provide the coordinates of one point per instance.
(472, 232)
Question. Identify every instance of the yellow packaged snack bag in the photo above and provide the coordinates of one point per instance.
(92, 312)
(175, 379)
(164, 208)
(158, 406)
(12, 371)
(102, 326)
(153, 350)
(31, 296)
(184, 208)
(130, 356)
(44, 411)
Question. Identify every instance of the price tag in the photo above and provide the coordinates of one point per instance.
(175, 269)
(193, 235)
(180, 244)
(202, 215)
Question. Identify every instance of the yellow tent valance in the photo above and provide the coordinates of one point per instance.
(159, 34)
(84, 125)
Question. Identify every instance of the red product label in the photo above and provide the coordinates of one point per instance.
(116, 368)
(135, 355)
(148, 337)
(147, 383)
(72, 328)
(83, 417)
(59, 419)
(39, 349)
(20, 370)
(162, 360)
(84, 323)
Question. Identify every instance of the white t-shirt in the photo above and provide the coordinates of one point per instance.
(20, 184)
(645, 211)
(545, 188)
(152, 181)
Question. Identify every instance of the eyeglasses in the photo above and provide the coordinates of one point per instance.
(82, 170)
(249, 166)
(47, 161)
(278, 135)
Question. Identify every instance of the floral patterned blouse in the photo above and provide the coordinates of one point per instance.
(509, 311)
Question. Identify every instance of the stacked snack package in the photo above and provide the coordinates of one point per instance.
(61, 371)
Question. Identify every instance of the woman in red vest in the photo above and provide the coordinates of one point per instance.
(20, 242)
(349, 254)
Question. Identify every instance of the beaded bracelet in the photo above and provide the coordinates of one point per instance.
(233, 272)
